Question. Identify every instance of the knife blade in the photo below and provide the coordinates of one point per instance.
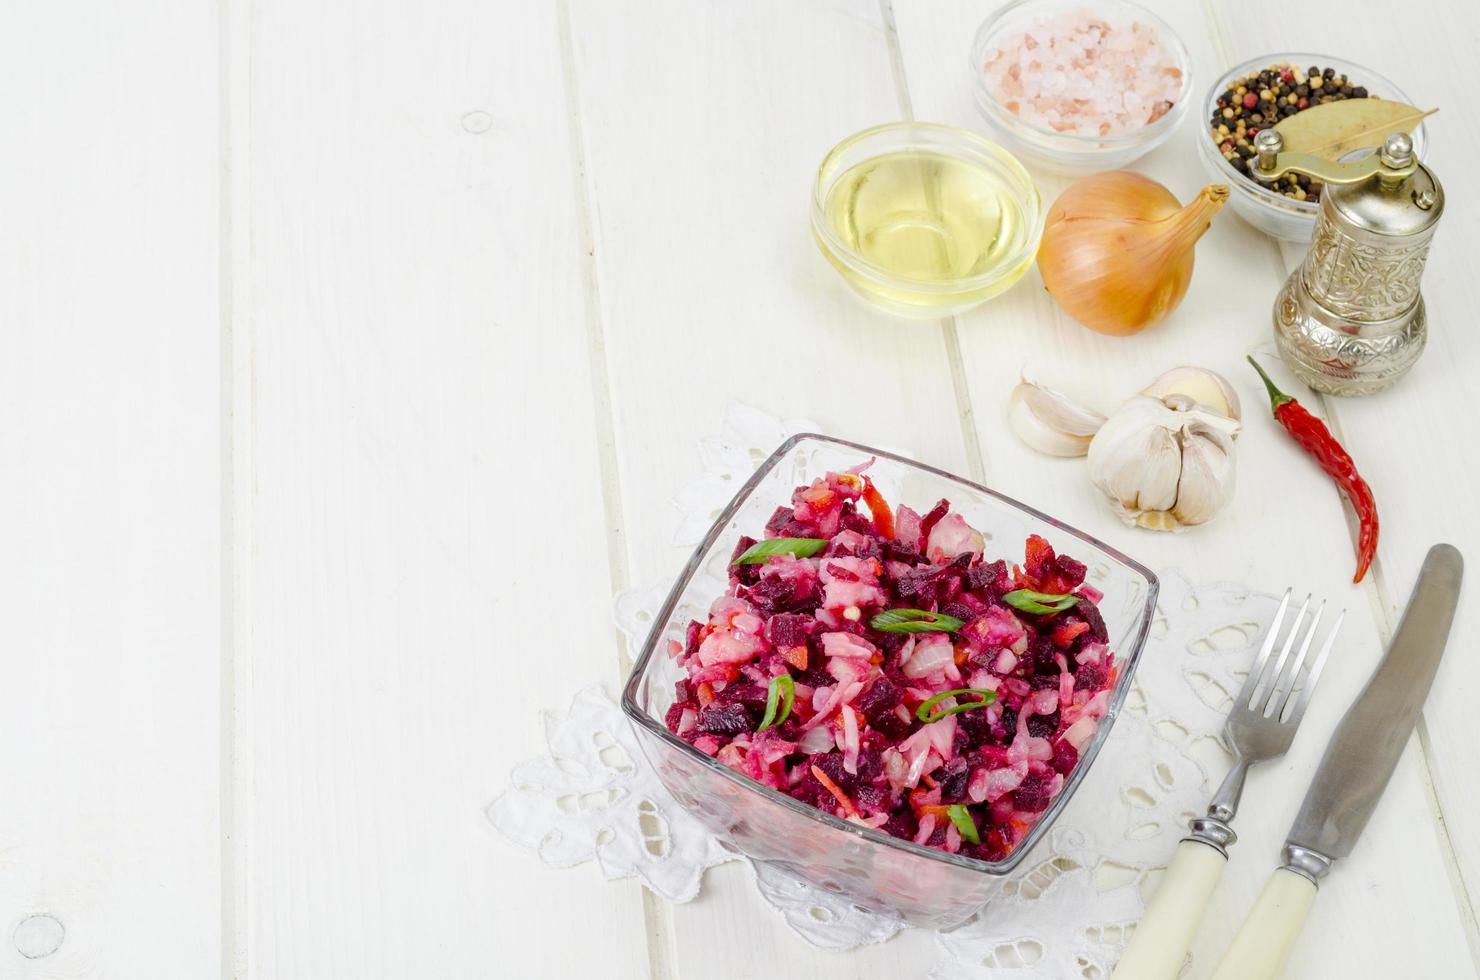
(1364, 749)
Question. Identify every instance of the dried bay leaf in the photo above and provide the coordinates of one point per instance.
(1334, 129)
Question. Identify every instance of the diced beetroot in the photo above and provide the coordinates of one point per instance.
(1065, 756)
(854, 521)
(928, 522)
(743, 574)
(901, 823)
(1089, 677)
(872, 799)
(959, 610)
(675, 713)
(780, 517)
(1043, 726)
(718, 718)
(789, 629)
(1032, 794)
(882, 696)
(1090, 613)
(986, 575)
(682, 694)
(1069, 570)
(753, 696)
(953, 781)
(831, 764)
(692, 636)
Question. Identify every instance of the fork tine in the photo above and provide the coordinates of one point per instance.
(1246, 693)
(1260, 704)
(1314, 673)
(1284, 684)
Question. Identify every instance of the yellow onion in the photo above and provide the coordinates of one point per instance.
(1117, 249)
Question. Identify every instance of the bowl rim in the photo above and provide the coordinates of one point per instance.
(1131, 659)
(1034, 204)
(1086, 144)
(1304, 210)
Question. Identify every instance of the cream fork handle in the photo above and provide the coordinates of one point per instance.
(1161, 940)
(1259, 950)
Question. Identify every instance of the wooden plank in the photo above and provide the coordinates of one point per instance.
(427, 532)
(110, 559)
(1284, 527)
(704, 123)
(1406, 439)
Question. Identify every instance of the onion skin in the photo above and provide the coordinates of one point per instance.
(1117, 249)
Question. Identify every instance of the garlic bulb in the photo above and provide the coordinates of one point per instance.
(1201, 385)
(1050, 421)
(1165, 463)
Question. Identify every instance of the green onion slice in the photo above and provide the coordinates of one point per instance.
(782, 691)
(796, 547)
(961, 817)
(914, 621)
(924, 713)
(1041, 603)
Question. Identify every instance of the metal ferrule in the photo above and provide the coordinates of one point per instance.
(1306, 863)
(1213, 832)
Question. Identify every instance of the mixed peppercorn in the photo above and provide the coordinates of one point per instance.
(1261, 100)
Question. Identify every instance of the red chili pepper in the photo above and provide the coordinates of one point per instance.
(879, 508)
(1313, 436)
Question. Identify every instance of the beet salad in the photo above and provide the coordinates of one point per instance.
(874, 664)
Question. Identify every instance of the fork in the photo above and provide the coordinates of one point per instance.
(1261, 725)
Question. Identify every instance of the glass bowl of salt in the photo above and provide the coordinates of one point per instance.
(1077, 87)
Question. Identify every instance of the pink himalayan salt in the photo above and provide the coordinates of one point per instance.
(1079, 73)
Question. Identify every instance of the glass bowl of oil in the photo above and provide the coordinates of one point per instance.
(925, 220)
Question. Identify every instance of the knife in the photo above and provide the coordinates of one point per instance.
(1359, 760)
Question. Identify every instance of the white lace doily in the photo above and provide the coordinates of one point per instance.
(1068, 911)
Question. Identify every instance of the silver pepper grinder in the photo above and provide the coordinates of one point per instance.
(1350, 320)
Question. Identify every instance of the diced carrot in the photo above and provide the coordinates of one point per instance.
(876, 659)
(961, 654)
(1068, 632)
(705, 693)
(927, 780)
(796, 656)
(1022, 580)
(879, 508)
(939, 809)
(833, 788)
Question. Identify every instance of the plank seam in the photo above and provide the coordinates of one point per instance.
(234, 247)
(949, 326)
(657, 915)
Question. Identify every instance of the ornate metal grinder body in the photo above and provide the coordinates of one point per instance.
(1350, 320)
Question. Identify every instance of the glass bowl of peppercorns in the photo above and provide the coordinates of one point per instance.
(1258, 94)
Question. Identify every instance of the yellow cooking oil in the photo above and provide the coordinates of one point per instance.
(946, 232)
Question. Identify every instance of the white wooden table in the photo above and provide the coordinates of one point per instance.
(350, 351)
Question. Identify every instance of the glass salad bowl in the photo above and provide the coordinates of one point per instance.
(878, 872)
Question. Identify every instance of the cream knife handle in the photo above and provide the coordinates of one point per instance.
(1164, 934)
(1259, 950)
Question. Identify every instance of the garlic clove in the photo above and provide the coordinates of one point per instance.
(1134, 459)
(1207, 477)
(1051, 422)
(1203, 386)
